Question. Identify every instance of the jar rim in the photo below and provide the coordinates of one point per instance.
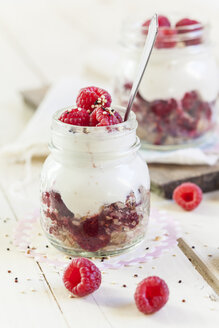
(168, 38)
(131, 123)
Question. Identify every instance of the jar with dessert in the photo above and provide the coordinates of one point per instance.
(175, 104)
(94, 184)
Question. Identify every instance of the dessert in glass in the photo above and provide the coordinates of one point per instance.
(175, 104)
(94, 185)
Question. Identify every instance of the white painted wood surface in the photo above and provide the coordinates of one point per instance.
(39, 41)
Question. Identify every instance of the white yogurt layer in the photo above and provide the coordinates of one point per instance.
(172, 73)
(95, 168)
(85, 190)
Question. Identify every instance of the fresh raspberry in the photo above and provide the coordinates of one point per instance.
(188, 23)
(163, 21)
(187, 195)
(104, 116)
(75, 116)
(82, 277)
(90, 96)
(151, 295)
(165, 33)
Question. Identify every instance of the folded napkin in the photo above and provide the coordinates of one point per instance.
(33, 141)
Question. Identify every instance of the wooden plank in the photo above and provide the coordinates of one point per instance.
(112, 305)
(28, 302)
(200, 228)
(165, 178)
(47, 42)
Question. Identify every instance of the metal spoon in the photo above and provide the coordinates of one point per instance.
(149, 43)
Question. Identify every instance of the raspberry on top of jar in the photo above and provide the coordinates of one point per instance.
(185, 32)
(93, 109)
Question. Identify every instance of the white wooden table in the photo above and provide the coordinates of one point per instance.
(33, 37)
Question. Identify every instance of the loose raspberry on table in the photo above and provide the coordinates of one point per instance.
(188, 195)
(75, 116)
(151, 295)
(104, 116)
(91, 97)
(82, 277)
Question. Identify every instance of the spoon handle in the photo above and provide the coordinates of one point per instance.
(149, 43)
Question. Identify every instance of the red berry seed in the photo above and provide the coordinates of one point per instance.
(151, 295)
(82, 277)
(188, 195)
(75, 116)
(90, 97)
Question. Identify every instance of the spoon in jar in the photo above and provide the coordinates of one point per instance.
(149, 43)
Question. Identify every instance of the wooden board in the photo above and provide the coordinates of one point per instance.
(164, 177)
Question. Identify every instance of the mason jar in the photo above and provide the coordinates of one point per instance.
(175, 104)
(94, 188)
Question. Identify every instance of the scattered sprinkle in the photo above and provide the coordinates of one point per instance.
(140, 267)
(28, 251)
(174, 255)
(209, 255)
(71, 296)
(183, 301)
(33, 290)
(8, 249)
(15, 279)
(193, 246)
(9, 271)
(6, 235)
(135, 275)
(179, 281)
(146, 248)
(124, 286)
(47, 246)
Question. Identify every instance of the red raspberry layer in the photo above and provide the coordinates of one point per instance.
(151, 295)
(75, 116)
(90, 97)
(82, 277)
(188, 195)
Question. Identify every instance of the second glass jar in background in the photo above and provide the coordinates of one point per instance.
(175, 104)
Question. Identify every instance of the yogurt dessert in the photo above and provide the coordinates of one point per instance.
(94, 185)
(175, 104)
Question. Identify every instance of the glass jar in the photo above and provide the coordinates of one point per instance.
(94, 188)
(175, 104)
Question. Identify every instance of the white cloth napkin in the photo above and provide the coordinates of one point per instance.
(33, 141)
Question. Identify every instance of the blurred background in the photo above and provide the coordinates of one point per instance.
(42, 41)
